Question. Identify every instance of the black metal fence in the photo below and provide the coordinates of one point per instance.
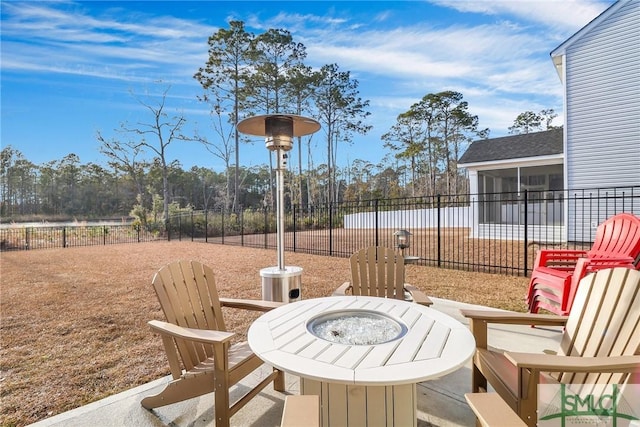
(24, 238)
(489, 232)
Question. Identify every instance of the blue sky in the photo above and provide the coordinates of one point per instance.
(71, 69)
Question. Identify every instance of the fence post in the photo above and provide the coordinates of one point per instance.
(266, 227)
(167, 228)
(241, 214)
(193, 227)
(330, 228)
(293, 213)
(64, 237)
(439, 206)
(206, 226)
(526, 232)
(222, 229)
(26, 238)
(376, 224)
(104, 235)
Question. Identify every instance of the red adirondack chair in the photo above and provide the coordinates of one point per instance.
(556, 273)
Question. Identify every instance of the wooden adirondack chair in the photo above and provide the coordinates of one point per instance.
(202, 358)
(379, 272)
(556, 273)
(600, 343)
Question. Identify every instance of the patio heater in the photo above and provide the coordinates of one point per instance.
(282, 282)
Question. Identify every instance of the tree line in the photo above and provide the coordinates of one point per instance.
(245, 75)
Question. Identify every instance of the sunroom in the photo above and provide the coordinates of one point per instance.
(518, 182)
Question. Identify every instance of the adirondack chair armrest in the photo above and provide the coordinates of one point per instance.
(342, 290)
(514, 318)
(600, 263)
(205, 336)
(558, 257)
(555, 363)
(479, 321)
(250, 304)
(418, 296)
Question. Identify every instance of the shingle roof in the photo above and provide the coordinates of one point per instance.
(534, 144)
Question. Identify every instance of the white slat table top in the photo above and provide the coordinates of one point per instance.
(434, 345)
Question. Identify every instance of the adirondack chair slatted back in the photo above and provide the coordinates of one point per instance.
(604, 321)
(189, 298)
(377, 271)
(617, 236)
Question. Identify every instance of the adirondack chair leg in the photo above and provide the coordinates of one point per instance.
(528, 398)
(479, 331)
(221, 392)
(179, 390)
(478, 381)
(221, 404)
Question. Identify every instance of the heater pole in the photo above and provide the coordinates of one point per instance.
(281, 166)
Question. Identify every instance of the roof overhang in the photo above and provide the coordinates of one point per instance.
(558, 63)
(555, 159)
(557, 55)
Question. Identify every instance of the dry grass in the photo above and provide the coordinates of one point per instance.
(73, 321)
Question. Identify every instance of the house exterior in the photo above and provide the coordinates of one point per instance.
(599, 68)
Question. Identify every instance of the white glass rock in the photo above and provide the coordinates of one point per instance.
(356, 327)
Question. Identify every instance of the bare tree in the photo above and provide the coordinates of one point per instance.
(123, 156)
(156, 136)
(223, 149)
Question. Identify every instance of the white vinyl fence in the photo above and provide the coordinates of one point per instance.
(410, 219)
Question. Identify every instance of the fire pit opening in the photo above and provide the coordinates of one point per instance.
(356, 327)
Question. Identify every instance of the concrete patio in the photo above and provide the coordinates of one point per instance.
(440, 402)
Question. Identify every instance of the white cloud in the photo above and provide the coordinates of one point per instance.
(130, 48)
(569, 15)
(498, 56)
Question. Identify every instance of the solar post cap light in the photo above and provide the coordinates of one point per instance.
(403, 241)
(279, 130)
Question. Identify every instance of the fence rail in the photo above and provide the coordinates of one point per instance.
(48, 237)
(489, 232)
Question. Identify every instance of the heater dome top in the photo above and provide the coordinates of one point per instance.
(257, 125)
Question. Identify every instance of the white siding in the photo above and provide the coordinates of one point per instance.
(603, 103)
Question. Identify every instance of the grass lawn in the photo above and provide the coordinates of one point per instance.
(73, 321)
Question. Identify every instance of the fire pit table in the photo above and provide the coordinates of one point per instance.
(362, 355)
